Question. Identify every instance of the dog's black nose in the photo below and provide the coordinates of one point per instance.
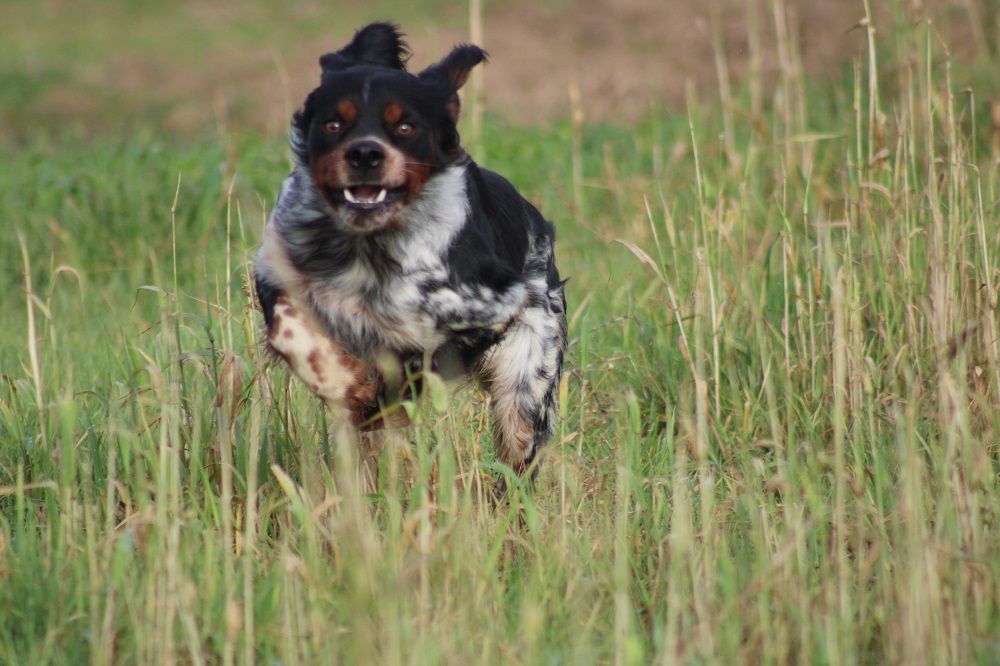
(365, 155)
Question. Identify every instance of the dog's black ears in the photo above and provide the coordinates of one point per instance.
(376, 44)
(452, 72)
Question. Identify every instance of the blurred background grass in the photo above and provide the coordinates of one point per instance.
(194, 67)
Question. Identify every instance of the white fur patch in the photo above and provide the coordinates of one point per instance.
(318, 361)
(272, 262)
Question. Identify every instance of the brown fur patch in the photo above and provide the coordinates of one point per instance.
(314, 364)
(416, 177)
(393, 113)
(347, 110)
(327, 172)
(361, 397)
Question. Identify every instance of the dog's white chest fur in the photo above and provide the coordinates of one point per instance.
(394, 301)
(389, 309)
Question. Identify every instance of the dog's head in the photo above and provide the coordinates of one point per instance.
(372, 134)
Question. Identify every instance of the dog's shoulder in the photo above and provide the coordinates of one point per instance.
(500, 230)
(494, 196)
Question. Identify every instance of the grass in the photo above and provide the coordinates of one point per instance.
(779, 441)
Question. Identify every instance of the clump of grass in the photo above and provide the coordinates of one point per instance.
(779, 431)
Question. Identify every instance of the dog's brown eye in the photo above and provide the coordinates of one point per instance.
(332, 126)
(404, 129)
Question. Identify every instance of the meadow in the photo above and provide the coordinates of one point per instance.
(779, 440)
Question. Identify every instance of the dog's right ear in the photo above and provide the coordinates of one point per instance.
(376, 44)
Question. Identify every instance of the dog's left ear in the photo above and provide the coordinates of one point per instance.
(451, 74)
(376, 44)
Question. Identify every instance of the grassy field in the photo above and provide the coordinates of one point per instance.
(780, 432)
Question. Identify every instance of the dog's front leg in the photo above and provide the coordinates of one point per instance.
(522, 373)
(339, 378)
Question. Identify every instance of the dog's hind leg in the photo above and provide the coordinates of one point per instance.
(521, 373)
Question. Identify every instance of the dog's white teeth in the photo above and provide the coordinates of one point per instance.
(381, 196)
(349, 196)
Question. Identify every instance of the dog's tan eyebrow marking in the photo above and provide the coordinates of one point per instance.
(347, 110)
(393, 113)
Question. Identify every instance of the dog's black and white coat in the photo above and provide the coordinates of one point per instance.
(388, 242)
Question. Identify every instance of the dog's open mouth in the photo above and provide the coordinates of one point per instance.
(370, 197)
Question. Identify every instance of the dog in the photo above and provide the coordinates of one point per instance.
(389, 248)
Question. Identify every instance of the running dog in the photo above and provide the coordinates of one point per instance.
(389, 249)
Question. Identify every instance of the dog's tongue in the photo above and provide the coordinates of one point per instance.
(365, 192)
